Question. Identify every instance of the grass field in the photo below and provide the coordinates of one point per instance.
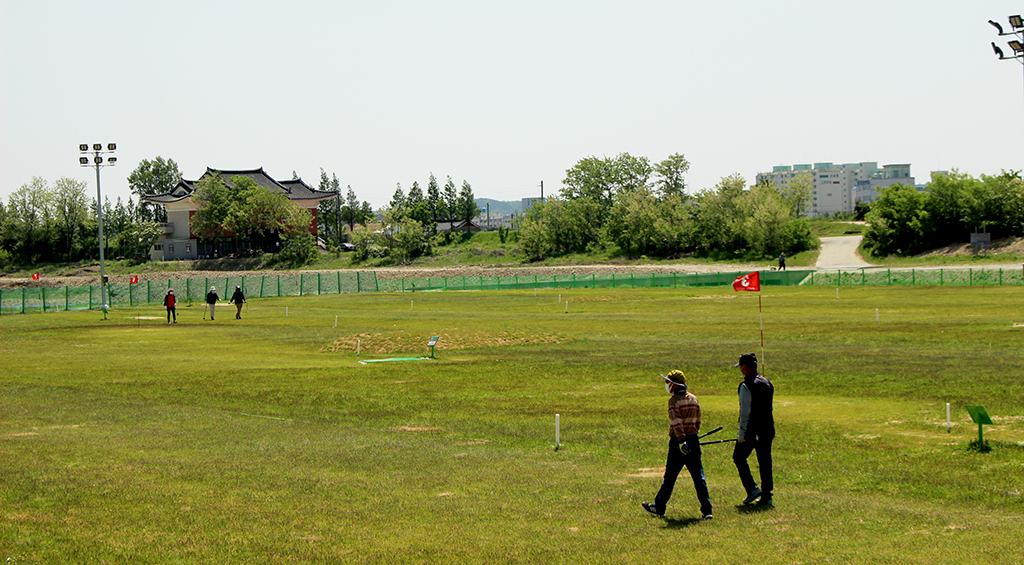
(264, 440)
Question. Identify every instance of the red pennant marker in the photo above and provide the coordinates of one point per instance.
(750, 282)
(134, 279)
(35, 276)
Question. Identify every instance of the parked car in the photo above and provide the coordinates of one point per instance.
(347, 247)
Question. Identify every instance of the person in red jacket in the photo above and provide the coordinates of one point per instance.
(169, 302)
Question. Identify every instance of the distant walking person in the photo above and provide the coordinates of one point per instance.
(169, 303)
(683, 446)
(782, 261)
(211, 300)
(756, 430)
(238, 298)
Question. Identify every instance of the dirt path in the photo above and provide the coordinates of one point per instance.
(841, 253)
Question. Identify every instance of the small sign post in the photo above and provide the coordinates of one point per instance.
(980, 417)
(432, 343)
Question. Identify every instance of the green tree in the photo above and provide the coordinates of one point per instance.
(213, 199)
(466, 207)
(898, 222)
(670, 175)
(434, 202)
(330, 212)
(397, 204)
(602, 179)
(450, 196)
(71, 210)
(28, 209)
(798, 193)
(416, 206)
(153, 177)
(634, 221)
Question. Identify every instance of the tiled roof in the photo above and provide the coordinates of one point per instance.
(295, 189)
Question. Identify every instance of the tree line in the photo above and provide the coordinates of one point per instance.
(906, 221)
(409, 222)
(47, 223)
(640, 208)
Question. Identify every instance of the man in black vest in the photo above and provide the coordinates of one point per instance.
(756, 430)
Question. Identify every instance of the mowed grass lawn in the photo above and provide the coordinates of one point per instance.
(264, 440)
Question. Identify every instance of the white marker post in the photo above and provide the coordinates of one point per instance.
(557, 432)
(566, 306)
(877, 319)
(837, 294)
(410, 305)
(335, 321)
(358, 343)
(949, 425)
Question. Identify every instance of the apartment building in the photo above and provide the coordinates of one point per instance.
(837, 188)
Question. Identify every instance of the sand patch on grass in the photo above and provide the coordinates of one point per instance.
(401, 341)
(418, 429)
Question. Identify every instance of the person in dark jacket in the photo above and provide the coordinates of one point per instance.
(169, 303)
(683, 446)
(211, 300)
(756, 430)
(238, 298)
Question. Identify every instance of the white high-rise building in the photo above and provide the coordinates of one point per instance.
(837, 188)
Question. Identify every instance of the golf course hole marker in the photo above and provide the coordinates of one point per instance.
(980, 417)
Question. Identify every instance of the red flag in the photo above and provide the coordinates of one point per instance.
(35, 276)
(134, 279)
(750, 281)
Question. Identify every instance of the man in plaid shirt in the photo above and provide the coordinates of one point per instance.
(683, 446)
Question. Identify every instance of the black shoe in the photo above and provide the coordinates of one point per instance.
(752, 496)
(766, 500)
(650, 507)
(708, 516)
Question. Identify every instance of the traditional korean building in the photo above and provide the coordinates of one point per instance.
(180, 242)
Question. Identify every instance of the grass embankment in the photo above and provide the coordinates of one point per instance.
(263, 440)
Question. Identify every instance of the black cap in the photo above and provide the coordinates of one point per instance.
(748, 360)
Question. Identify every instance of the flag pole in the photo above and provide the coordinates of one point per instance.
(760, 316)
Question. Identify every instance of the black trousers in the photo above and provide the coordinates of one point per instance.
(762, 445)
(675, 463)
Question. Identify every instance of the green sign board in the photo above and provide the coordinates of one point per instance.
(980, 417)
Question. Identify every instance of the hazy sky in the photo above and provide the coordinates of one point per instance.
(502, 94)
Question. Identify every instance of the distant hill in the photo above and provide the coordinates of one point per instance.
(498, 207)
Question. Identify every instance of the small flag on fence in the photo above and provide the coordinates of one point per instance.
(35, 276)
(750, 282)
(134, 279)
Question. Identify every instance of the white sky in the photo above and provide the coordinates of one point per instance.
(502, 94)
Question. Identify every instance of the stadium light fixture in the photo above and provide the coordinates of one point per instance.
(98, 163)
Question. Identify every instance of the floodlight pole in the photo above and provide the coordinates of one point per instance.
(1017, 45)
(97, 163)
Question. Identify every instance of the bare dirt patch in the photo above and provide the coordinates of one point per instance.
(1012, 245)
(401, 341)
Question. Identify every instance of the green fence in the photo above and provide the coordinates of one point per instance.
(43, 299)
(628, 280)
(918, 277)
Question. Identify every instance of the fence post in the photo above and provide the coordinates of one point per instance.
(1000, 276)
(68, 302)
(278, 286)
(359, 287)
(940, 277)
(42, 292)
(913, 277)
(970, 275)
(23, 299)
(888, 277)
